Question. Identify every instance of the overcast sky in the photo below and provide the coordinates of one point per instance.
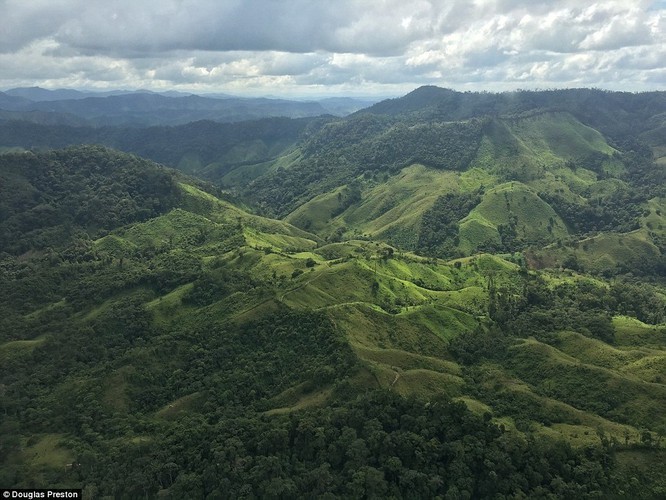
(337, 47)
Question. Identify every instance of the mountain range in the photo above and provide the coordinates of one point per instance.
(446, 294)
(144, 108)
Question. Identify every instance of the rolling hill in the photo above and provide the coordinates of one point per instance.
(444, 296)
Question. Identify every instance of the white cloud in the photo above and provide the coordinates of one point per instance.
(301, 46)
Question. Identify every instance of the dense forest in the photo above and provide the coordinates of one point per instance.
(458, 296)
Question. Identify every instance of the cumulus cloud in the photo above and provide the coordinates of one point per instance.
(301, 46)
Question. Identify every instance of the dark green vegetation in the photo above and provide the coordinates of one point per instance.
(464, 297)
(207, 149)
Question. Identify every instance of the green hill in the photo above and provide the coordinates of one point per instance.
(485, 295)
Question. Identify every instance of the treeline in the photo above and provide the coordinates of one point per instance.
(438, 234)
(375, 446)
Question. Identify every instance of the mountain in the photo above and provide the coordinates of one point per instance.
(438, 172)
(452, 295)
(342, 106)
(149, 325)
(207, 149)
(145, 109)
(39, 94)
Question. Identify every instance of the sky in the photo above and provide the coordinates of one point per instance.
(300, 48)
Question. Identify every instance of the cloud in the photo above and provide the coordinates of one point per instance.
(302, 46)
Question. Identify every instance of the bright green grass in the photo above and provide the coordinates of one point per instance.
(15, 348)
(391, 210)
(539, 139)
(596, 352)
(565, 418)
(559, 134)
(476, 232)
(116, 246)
(606, 187)
(48, 452)
(369, 328)
(474, 405)
(174, 229)
(609, 250)
(199, 202)
(655, 221)
(622, 396)
(277, 241)
(344, 249)
(444, 322)
(347, 282)
(646, 364)
(649, 368)
(604, 252)
(427, 383)
(632, 332)
(243, 174)
(251, 159)
(170, 306)
(315, 215)
(535, 220)
(404, 360)
(298, 398)
(179, 407)
(94, 312)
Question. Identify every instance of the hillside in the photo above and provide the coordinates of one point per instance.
(150, 326)
(527, 181)
(438, 172)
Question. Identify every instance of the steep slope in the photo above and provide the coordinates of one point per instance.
(559, 172)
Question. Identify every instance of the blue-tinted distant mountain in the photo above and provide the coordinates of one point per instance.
(12, 103)
(43, 118)
(148, 108)
(342, 106)
(39, 94)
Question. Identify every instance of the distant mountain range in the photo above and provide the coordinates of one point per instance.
(146, 108)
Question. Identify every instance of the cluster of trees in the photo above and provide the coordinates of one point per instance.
(343, 151)
(532, 308)
(438, 234)
(46, 197)
(374, 446)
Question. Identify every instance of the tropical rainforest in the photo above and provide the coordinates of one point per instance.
(444, 295)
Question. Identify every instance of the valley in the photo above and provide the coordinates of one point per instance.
(426, 295)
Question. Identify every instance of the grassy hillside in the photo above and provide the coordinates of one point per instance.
(516, 302)
(561, 179)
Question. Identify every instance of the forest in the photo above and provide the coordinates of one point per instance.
(446, 295)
